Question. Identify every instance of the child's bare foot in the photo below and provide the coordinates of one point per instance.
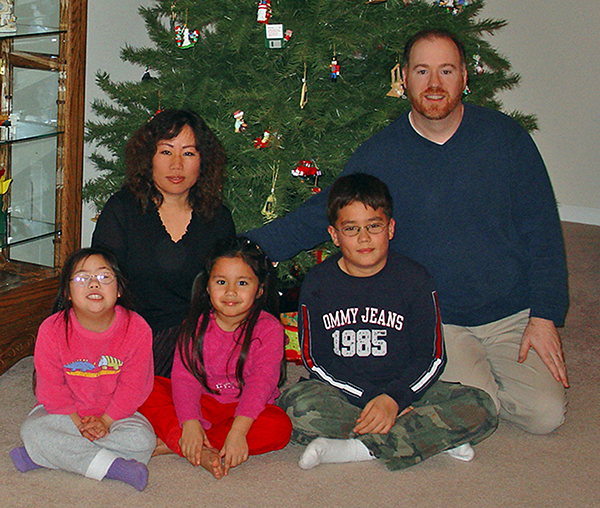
(211, 461)
(161, 448)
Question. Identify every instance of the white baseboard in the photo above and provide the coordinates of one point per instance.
(580, 214)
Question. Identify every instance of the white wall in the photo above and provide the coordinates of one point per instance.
(555, 48)
(553, 45)
(111, 25)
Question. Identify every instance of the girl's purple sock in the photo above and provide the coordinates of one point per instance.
(22, 460)
(129, 471)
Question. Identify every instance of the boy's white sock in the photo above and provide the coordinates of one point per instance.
(327, 451)
(463, 452)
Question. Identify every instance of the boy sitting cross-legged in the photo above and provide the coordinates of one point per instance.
(370, 336)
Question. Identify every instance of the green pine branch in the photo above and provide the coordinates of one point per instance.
(230, 68)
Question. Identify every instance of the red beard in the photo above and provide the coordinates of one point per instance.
(434, 110)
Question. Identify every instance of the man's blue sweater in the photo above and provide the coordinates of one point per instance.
(478, 212)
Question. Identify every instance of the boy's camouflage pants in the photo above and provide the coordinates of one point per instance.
(448, 415)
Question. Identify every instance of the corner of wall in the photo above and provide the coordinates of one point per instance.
(579, 214)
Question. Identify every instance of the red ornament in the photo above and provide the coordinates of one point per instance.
(264, 11)
(335, 69)
(306, 168)
(264, 141)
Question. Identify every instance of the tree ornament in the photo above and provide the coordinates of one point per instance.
(304, 91)
(268, 140)
(275, 38)
(240, 124)
(477, 66)
(264, 11)
(263, 142)
(268, 210)
(308, 169)
(159, 106)
(184, 38)
(397, 89)
(335, 69)
(459, 5)
(452, 6)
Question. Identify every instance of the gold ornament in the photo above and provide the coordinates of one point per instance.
(268, 210)
(303, 93)
(397, 89)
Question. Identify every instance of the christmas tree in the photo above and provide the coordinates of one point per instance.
(307, 81)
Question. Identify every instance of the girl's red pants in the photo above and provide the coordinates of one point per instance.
(270, 431)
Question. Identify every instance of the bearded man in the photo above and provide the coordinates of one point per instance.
(473, 203)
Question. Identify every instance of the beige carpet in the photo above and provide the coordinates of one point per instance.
(511, 468)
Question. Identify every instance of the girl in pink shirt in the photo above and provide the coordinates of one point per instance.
(227, 366)
(94, 368)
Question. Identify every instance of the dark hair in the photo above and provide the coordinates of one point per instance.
(193, 330)
(63, 302)
(366, 189)
(433, 33)
(205, 196)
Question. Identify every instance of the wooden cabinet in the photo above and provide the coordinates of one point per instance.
(42, 81)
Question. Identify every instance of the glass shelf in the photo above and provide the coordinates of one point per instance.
(32, 224)
(26, 131)
(23, 230)
(30, 31)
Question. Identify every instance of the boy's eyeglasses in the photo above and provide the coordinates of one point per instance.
(372, 229)
(83, 279)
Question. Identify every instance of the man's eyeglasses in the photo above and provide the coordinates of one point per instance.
(372, 229)
(83, 279)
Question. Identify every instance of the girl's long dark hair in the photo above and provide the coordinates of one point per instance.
(193, 330)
